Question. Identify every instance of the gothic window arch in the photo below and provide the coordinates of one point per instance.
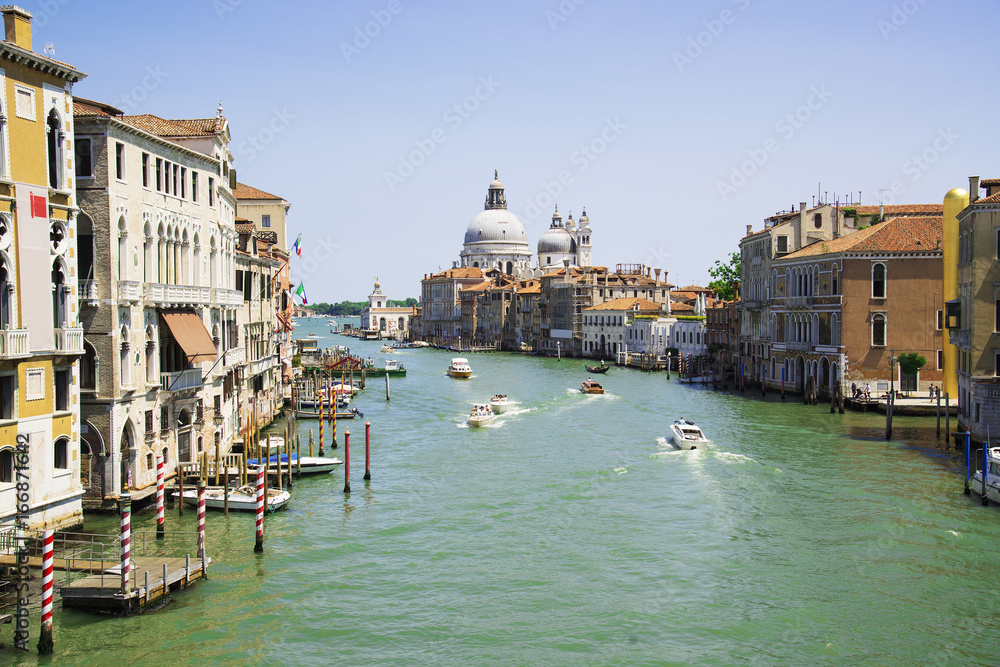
(878, 280)
(54, 142)
(60, 294)
(878, 330)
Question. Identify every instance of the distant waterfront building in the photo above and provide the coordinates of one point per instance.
(607, 327)
(379, 316)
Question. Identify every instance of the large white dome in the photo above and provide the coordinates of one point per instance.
(497, 225)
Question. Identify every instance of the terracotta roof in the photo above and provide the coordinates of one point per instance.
(478, 287)
(989, 182)
(626, 304)
(263, 244)
(693, 288)
(85, 107)
(992, 199)
(244, 227)
(534, 289)
(681, 307)
(903, 235)
(161, 127)
(901, 209)
(466, 272)
(244, 191)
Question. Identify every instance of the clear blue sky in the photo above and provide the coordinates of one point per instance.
(671, 98)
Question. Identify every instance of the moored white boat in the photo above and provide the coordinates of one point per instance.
(992, 474)
(388, 349)
(243, 498)
(460, 368)
(501, 404)
(481, 415)
(311, 465)
(686, 434)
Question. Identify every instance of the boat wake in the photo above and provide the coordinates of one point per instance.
(736, 458)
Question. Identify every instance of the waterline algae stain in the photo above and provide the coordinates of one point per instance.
(573, 534)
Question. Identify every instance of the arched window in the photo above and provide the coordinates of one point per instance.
(878, 330)
(7, 464)
(122, 249)
(85, 247)
(61, 454)
(59, 294)
(55, 152)
(150, 356)
(88, 368)
(835, 281)
(148, 255)
(3, 144)
(510, 268)
(124, 374)
(6, 292)
(878, 281)
(818, 220)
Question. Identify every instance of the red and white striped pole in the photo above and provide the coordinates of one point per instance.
(258, 546)
(347, 461)
(201, 520)
(368, 449)
(159, 497)
(322, 399)
(125, 509)
(45, 640)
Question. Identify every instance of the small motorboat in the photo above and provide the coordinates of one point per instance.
(597, 369)
(992, 474)
(481, 415)
(388, 349)
(588, 386)
(687, 435)
(500, 404)
(311, 465)
(243, 498)
(460, 368)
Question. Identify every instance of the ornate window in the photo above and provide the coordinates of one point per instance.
(878, 330)
(878, 281)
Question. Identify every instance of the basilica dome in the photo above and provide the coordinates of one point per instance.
(496, 225)
(556, 240)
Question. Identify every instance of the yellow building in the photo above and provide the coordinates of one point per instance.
(40, 337)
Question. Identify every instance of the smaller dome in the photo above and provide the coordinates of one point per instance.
(556, 240)
(496, 185)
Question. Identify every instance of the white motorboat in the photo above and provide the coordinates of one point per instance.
(243, 498)
(992, 474)
(501, 404)
(460, 368)
(311, 465)
(687, 435)
(481, 415)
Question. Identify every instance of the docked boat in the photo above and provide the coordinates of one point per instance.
(992, 474)
(501, 404)
(597, 369)
(243, 498)
(588, 386)
(687, 435)
(311, 465)
(314, 414)
(481, 415)
(460, 368)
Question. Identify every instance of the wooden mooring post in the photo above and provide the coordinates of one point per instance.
(938, 413)
(368, 450)
(347, 461)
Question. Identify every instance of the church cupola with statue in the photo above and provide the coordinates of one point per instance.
(561, 243)
(495, 239)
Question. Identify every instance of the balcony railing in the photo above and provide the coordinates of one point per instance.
(129, 290)
(88, 292)
(177, 295)
(226, 297)
(234, 357)
(261, 365)
(179, 380)
(14, 343)
(69, 340)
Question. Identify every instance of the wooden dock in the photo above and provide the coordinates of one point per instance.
(150, 580)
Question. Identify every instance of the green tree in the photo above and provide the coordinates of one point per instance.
(910, 363)
(725, 275)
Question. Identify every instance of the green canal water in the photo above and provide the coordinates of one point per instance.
(571, 533)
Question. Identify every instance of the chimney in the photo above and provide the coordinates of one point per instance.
(973, 188)
(749, 230)
(657, 272)
(17, 26)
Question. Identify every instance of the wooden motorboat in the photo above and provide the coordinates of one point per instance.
(460, 368)
(588, 386)
(686, 434)
(481, 415)
(243, 498)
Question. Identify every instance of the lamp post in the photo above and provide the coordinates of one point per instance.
(892, 371)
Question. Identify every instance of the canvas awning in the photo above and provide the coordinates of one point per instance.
(190, 333)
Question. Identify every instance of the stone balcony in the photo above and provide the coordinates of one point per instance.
(159, 294)
(14, 343)
(129, 290)
(69, 340)
(88, 292)
(226, 297)
(179, 380)
(234, 357)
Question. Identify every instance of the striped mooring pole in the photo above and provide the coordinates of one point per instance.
(125, 509)
(321, 397)
(347, 461)
(159, 497)
(258, 546)
(201, 521)
(368, 449)
(45, 639)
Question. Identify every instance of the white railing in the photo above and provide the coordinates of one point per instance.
(129, 290)
(226, 297)
(234, 357)
(179, 380)
(69, 340)
(88, 290)
(261, 365)
(14, 343)
(177, 295)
